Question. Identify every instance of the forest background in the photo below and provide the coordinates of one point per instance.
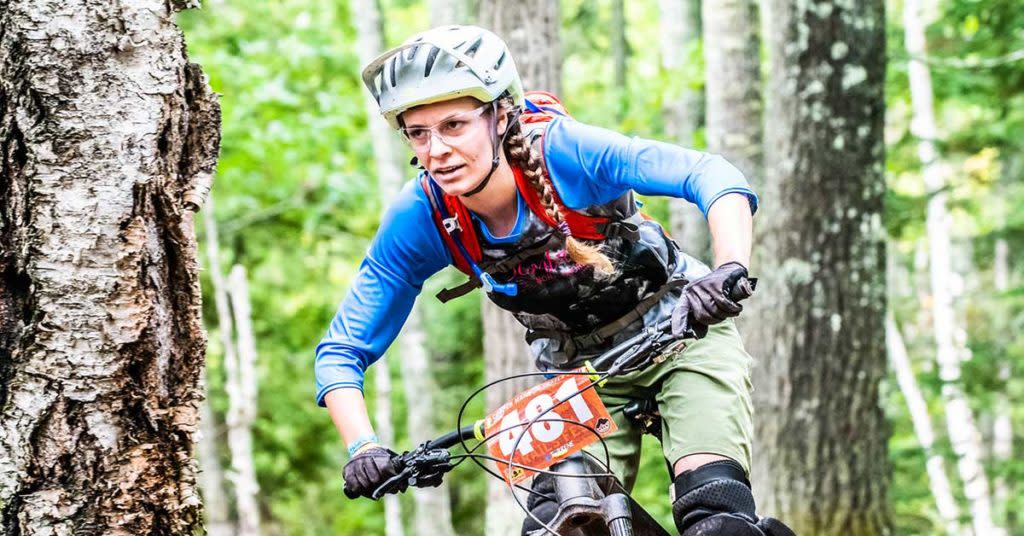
(298, 199)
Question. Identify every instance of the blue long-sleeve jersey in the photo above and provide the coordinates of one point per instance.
(588, 166)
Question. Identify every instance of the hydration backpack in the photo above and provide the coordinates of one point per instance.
(456, 227)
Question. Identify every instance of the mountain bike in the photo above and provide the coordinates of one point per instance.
(591, 501)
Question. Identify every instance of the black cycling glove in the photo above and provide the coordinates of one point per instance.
(367, 470)
(707, 300)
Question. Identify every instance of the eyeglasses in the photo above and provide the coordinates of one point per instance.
(451, 130)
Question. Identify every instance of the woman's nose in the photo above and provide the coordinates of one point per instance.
(437, 145)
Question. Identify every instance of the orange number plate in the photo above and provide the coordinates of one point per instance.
(551, 438)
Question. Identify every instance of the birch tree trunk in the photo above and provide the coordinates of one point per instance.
(218, 522)
(369, 43)
(941, 489)
(963, 430)
(821, 464)
(531, 29)
(216, 517)
(241, 387)
(108, 141)
(679, 36)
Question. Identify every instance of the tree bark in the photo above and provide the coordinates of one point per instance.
(935, 466)
(242, 404)
(108, 142)
(531, 29)
(821, 463)
(963, 430)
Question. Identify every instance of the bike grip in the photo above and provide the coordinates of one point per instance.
(742, 289)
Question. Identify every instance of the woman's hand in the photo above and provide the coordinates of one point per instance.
(369, 468)
(707, 300)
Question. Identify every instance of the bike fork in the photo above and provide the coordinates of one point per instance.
(617, 514)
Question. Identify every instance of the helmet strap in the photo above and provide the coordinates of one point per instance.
(496, 144)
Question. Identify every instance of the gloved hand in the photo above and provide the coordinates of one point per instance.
(367, 470)
(707, 300)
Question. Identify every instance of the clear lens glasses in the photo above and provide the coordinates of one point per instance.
(450, 130)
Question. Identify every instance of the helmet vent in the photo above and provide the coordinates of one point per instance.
(501, 59)
(411, 53)
(392, 69)
(471, 51)
(430, 60)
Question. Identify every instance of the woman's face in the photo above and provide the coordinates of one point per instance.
(452, 141)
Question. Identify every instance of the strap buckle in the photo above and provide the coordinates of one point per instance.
(628, 230)
(451, 224)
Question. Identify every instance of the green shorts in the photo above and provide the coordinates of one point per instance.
(703, 395)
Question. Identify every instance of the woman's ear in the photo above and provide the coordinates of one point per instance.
(503, 117)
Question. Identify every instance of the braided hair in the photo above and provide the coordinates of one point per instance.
(521, 153)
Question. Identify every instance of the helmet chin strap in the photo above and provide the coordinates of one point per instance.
(496, 145)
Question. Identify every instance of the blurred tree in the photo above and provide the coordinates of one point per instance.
(821, 434)
(1002, 427)
(941, 489)
(241, 386)
(960, 421)
(108, 141)
(732, 83)
(216, 517)
(448, 12)
(216, 502)
(369, 43)
(679, 29)
(531, 29)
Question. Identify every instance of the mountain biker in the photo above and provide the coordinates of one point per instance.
(550, 229)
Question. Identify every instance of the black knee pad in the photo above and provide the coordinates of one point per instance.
(714, 499)
(541, 504)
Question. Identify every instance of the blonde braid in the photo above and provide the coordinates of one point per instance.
(522, 154)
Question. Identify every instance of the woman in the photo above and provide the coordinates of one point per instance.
(529, 194)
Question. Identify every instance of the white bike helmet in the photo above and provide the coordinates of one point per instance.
(441, 64)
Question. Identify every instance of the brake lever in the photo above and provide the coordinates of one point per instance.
(391, 484)
(420, 464)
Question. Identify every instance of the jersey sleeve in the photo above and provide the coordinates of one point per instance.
(591, 166)
(405, 252)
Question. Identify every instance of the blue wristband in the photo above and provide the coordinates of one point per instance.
(361, 441)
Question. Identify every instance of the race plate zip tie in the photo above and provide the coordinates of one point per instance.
(478, 430)
(594, 376)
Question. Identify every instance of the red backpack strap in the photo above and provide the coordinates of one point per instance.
(581, 225)
(453, 223)
(541, 107)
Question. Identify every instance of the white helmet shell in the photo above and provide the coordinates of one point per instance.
(442, 64)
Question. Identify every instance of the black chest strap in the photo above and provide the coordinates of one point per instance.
(572, 344)
(497, 267)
